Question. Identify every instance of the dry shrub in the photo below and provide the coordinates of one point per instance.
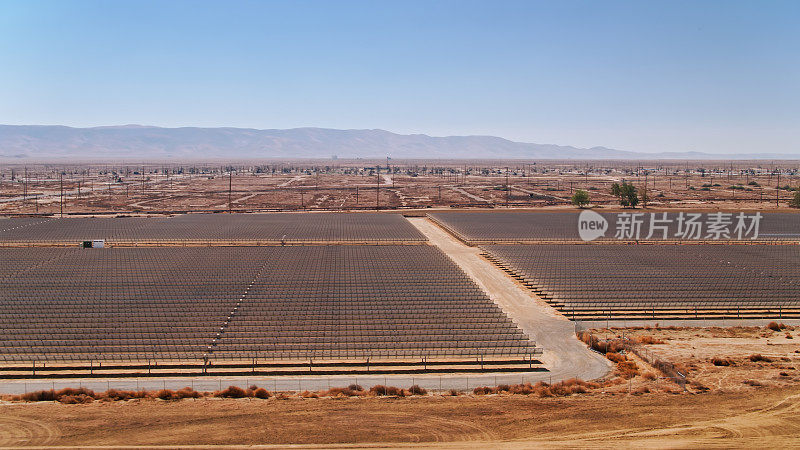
(757, 357)
(453, 392)
(261, 393)
(397, 392)
(647, 340)
(784, 374)
(282, 396)
(641, 390)
(698, 386)
(309, 394)
(753, 383)
(118, 395)
(789, 336)
(341, 392)
(627, 369)
(186, 392)
(650, 376)
(615, 357)
(75, 399)
(774, 326)
(569, 387)
(39, 396)
(166, 394)
(417, 390)
(717, 361)
(379, 390)
(355, 387)
(482, 390)
(253, 388)
(231, 392)
(522, 389)
(503, 388)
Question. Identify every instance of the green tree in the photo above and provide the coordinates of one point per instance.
(795, 201)
(626, 193)
(580, 198)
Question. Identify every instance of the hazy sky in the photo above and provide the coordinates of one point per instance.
(712, 76)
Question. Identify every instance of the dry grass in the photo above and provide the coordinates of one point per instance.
(723, 362)
(757, 357)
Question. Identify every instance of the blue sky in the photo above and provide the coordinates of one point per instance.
(712, 76)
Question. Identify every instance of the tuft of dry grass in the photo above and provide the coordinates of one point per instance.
(309, 394)
(757, 357)
(723, 362)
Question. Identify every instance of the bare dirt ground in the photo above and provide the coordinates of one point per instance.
(335, 185)
(758, 416)
(696, 350)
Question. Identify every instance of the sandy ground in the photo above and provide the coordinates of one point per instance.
(694, 350)
(760, 416)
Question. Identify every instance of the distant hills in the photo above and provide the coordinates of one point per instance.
(136, 142)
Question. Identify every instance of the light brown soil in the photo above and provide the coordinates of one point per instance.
(747, 418)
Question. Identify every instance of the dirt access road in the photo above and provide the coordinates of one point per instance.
(564, 355)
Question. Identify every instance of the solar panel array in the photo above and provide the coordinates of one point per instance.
(506, 226)
(289, 227)
(282, 303)
(660, 281)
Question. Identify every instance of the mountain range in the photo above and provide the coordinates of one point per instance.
(136, 142)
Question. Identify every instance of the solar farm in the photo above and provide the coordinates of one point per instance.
(347, 292)
(597, 282)
(299, 306)
(192, 229)
(505, 227)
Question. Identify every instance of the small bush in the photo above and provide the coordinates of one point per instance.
(760, 358)
(453, 393)
(774, 326)
(417, 390)
(649, 376)
(753, 383)
(186, 392)
(166, 394)
(262, 393)
(341, 392)
(282, 396)
(231, 392)
(615, 357)
(355, 387)
(39, 396)
(627, 369)
(724, 362)
(75, 399)
(379, 390)
(482, 390)
(647, 340)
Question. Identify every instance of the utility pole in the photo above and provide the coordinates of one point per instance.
(230, 187)
(377, 187)
(61, 193)
(778, 191)
(508, 189)
(356, 195)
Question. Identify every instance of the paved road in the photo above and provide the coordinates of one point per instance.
(564, 354)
